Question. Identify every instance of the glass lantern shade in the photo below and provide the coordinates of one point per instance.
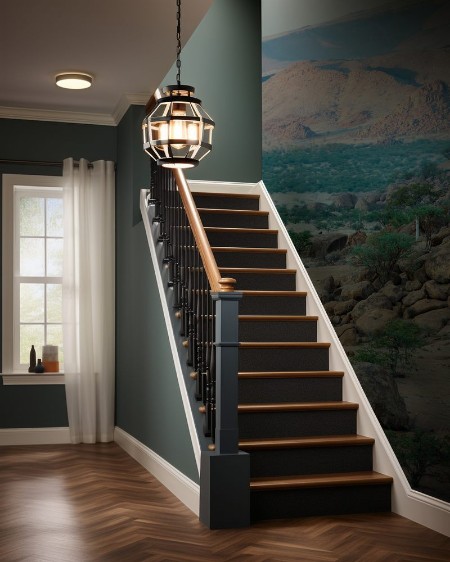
(178, 132)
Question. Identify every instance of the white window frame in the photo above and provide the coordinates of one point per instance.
(39, 186)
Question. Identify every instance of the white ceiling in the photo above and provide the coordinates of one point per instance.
(127, 45)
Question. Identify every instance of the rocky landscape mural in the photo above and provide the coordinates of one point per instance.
(356, 155)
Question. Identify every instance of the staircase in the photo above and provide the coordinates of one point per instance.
(306, 457)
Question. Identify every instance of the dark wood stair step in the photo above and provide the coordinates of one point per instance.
(234, 218)
(305, 442)
(237, 249)
(289, 374)
(370, 478)
(216, 199)
(276, 318)
(295, 407)
(284, 345)
(233, 212)
(243, 237)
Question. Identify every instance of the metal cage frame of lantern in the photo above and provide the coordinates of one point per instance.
(178, 132)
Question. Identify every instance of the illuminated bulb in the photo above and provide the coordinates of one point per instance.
(74, 80)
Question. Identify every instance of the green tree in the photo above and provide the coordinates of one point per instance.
(381, 252)
(394, 347)
(416, 201)
(302, 241)
(419, 451)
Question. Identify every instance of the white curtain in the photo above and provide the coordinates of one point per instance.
(89, 299)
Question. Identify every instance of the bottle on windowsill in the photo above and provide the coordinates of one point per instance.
(31, 368)
(39, 367)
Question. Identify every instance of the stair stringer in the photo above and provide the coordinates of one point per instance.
(186, 384)
(426, 510)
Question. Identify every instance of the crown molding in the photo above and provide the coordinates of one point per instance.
(58, 116)
(76, 116)
(124, 103)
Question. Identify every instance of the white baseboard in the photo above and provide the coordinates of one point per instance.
(34, 436)
(180, 485)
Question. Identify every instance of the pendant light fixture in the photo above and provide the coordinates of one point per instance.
(178, 132)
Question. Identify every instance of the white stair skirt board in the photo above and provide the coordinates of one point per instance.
(418, 507)
(175, 481)
(35, 436)
(170, 334)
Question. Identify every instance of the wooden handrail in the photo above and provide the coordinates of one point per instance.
(216, 281)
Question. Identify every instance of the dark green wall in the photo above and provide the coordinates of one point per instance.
(45, 406)
(222, 60)
(148, 400)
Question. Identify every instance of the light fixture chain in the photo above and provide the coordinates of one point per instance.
(178, 41)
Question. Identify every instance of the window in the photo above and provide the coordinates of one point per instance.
(32, 268)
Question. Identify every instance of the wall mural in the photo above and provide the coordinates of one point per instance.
(356, 155)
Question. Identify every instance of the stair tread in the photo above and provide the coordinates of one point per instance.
(239, 229)
(258, 270)
(296, 406)
(304, 442)
(233, 211)
(276, 318)
(238, 249)
(288, 374)
(218, 194)
(320, 480)
(283, 344)
(251, 293)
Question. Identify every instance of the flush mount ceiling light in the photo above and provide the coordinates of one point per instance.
(178, 132)
(73, 80)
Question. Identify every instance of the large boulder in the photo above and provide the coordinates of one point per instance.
(441, 236)
(345, 200)
(347, 334)
(357, 291)
(424, 305)
(384, 397)
(413, 297)
(344, 307)
(374, 321)
(373, 302)
(392, 291)
(434, 320)
(435, 290)
(413, 285)
(437, 266)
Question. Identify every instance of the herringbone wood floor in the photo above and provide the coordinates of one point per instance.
(87, 503)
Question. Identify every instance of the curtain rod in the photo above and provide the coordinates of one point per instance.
(38, 163)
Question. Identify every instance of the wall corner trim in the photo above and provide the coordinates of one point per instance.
(175, 481)
(34, 436)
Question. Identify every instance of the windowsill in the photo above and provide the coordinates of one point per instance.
(25, 379)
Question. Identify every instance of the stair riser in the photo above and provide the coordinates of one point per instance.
(250, 259)
(243, 239)
(303, 331)
(296, 424)
(229, 220)
(266, 391)
(320, 501)
(288, 359)
(262, 282)
(226, 203)
(295, 306)
(314, 460)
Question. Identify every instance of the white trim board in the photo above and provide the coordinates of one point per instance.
(175, 481)
(35, 436)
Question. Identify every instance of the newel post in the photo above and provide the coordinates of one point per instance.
(225, 472)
